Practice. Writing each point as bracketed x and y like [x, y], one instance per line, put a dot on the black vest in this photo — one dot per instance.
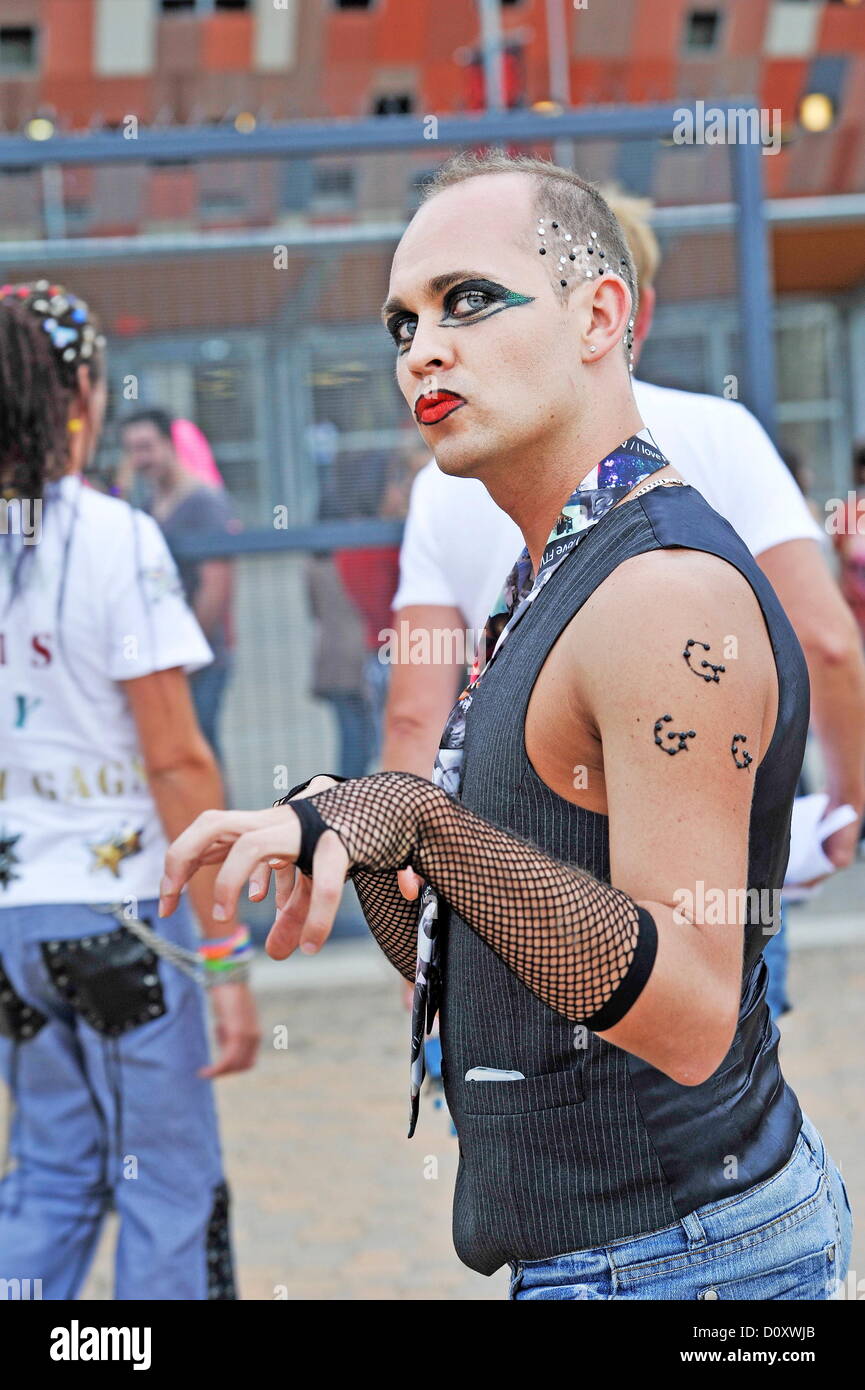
[597, 1145]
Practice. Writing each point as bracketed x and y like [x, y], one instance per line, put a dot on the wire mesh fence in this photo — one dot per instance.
[243, 295]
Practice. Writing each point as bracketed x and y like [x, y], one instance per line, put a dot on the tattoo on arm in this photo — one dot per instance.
[746, 756]
[682, 736]
[701, 675]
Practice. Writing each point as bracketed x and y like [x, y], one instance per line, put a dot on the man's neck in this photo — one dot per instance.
[172, 488]
[533, 494]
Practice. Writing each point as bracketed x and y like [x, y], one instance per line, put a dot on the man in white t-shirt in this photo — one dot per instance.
[459, 546]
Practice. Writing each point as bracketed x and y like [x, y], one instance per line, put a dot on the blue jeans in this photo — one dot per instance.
[102, 1120]
[788, 1237]
[356, 731]
[208, 691]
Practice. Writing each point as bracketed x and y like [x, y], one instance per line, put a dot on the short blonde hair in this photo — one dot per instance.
[632, 214]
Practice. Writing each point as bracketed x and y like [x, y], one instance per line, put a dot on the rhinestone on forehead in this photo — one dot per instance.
[573, 252]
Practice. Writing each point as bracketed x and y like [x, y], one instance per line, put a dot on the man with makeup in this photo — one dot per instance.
[634, 726]
[458, 546]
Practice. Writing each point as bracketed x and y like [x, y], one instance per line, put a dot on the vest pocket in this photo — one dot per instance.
[545, 1092]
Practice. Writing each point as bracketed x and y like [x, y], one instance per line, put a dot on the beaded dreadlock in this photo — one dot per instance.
[46, 334]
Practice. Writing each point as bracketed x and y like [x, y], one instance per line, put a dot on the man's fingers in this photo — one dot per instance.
[206, 840]
[238, 1054]
[286, 879]
[329, 864]
[259, 883]
[409, 883]
[249, 854]
[284, 935]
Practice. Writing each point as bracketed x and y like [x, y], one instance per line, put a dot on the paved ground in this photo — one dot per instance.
[333, 1202]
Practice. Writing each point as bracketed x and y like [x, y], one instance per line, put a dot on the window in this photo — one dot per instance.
[398, 104]
[18, 49]
[221, 203]
[353, 4]
[333, 188]
[204, 6]
[701, 31]
[78, 214]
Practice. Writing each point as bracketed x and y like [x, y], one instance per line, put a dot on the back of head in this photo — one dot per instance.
[46, 336]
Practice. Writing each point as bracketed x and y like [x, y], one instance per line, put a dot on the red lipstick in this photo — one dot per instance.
[436, 406]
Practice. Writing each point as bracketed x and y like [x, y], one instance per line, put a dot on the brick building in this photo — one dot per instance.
[190, 327]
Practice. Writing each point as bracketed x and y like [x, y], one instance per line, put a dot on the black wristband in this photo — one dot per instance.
[302, 786]
[312, 827]
[634, 980]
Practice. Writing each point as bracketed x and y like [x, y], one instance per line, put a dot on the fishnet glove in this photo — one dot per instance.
[391, 918]
[583, 947]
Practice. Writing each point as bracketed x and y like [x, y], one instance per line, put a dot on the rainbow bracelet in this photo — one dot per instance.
[227, 959]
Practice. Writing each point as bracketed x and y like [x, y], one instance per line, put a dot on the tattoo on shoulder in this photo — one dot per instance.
[746, 756]
[682, 735]
[707, 665]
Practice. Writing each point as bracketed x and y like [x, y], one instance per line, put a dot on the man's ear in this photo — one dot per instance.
[609, 310]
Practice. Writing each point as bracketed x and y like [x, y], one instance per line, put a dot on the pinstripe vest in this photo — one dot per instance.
[597, 1145]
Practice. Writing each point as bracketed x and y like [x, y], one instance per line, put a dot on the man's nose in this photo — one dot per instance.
[431, 347]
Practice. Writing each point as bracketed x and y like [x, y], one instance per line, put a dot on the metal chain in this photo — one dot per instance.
[188, 962]
[658, 482]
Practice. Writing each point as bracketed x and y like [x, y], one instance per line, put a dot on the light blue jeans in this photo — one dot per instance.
[102, 1121]
[788, 1237]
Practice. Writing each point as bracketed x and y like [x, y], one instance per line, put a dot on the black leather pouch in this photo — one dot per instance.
[19, 1020]
[111, 979]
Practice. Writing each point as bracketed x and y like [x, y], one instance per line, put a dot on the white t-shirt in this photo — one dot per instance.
[458, 546]
[77, 823]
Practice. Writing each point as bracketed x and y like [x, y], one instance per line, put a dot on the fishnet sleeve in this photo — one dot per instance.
[391, 918]
[583, 947]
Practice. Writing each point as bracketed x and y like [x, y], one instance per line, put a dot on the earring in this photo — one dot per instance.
[593, 348]
[75, 426]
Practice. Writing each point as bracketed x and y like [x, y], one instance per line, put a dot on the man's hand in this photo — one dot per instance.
[237, 1030]
[410, 883]
[841, 847]
[251, 845]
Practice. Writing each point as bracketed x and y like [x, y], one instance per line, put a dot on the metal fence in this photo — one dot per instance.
[239, 279]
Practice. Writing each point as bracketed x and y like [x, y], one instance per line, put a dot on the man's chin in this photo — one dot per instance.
[459, 459]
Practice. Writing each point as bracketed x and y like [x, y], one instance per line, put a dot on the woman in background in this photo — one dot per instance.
[102, 1042]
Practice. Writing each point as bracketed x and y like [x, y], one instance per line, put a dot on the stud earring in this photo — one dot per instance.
[593, 348]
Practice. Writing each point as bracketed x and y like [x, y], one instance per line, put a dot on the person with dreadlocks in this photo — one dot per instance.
[102, 1042]
[631, 739]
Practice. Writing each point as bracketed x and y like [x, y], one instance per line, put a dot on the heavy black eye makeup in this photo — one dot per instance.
[466, 303]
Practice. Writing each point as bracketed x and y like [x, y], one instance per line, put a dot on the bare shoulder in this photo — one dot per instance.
[651, 590]
[663, 605]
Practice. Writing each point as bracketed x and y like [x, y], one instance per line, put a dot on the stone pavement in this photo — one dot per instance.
[332, 1201]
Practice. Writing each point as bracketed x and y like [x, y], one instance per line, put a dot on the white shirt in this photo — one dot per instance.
[77, 822]
[458, 546]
